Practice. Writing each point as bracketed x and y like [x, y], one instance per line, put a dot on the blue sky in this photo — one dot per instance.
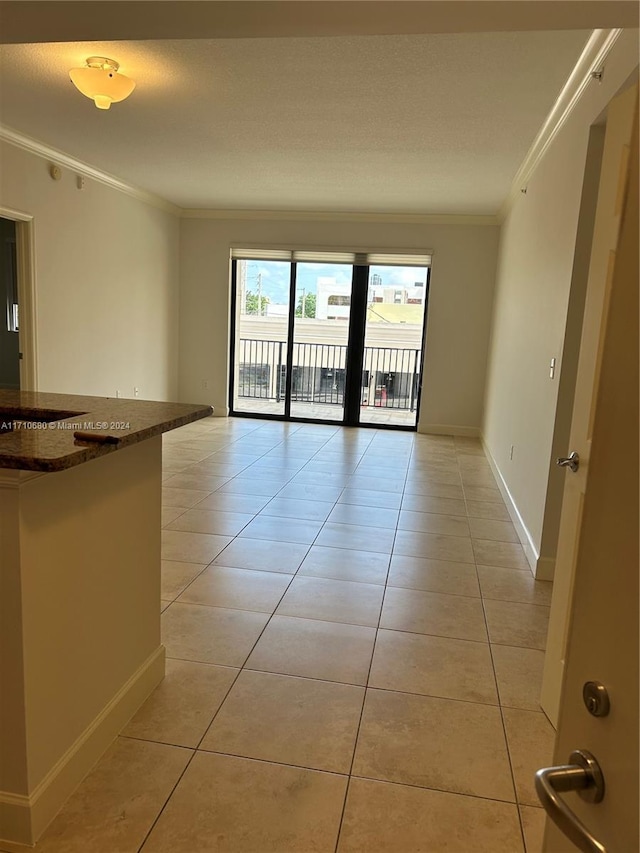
[275, 277]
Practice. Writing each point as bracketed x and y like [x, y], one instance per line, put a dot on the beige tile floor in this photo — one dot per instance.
[326, 411]
[355, 648]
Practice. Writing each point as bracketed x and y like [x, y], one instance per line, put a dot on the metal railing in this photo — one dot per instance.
[390, 375]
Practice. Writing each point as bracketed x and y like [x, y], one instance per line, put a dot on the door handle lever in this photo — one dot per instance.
[572, 461]
[583, 775]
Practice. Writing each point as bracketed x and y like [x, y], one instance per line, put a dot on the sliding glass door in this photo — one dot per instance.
[320, 340]
[261, 289]
[394, 332]
[334, 337]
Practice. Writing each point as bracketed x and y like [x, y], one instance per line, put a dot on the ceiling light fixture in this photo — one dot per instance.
[101, 82]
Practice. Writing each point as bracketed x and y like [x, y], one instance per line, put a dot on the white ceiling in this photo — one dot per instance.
[384, 106]
[424, 123]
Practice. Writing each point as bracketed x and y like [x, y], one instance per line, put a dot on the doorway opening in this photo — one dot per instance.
[333, 337]
[9, 322]
[18, 327]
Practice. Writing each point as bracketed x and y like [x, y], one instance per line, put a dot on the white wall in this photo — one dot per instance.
[106, 282]
[540, 273]
[460, 302]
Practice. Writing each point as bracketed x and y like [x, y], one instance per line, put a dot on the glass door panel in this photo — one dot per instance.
[261, 335]
[396, 303]
[329, 340]
[320, 340]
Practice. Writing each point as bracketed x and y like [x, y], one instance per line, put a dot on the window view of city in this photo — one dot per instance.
[391, 360]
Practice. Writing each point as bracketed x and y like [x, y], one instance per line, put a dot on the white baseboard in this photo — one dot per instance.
[541, 567]
[526, 540]
[448, 429]
[545, 568]
[23, 818]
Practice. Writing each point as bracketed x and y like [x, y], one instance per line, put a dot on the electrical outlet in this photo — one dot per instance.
[136, 392]
[117, 394]
[511, 452]
[205, 384]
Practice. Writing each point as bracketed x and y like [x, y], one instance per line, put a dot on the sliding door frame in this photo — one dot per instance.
[355, 345]
[288, 383]
[355, 353]
[423, 347]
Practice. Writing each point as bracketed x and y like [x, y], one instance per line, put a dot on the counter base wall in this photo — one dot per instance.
[79, 623]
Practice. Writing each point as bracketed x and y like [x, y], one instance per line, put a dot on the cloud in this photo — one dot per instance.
[276, 276]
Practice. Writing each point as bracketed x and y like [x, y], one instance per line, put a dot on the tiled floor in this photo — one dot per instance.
[354, 645]
[374, 415]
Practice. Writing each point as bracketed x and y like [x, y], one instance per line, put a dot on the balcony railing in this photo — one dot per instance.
[390, 375]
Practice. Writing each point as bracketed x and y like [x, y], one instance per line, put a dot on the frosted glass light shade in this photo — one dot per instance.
[101, 82]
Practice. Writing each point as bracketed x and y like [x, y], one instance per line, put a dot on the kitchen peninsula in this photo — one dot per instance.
[80, 486]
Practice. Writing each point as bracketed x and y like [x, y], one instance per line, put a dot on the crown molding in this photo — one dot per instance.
[346, 216]
[593, 56]
[591, 60]
[40, 149]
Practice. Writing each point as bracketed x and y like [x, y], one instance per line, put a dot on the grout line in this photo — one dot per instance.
[273, 761]
[497, 689]
[308, 467]
[240, 670]
[166, 802]
[334, 772]
[207, 729]
[504, 728]
[268, 622]
[373, 651]
[377, 689]
[162, 507]
[495, 678]
[443, 791]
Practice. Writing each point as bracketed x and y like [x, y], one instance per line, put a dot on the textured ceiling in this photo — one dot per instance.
[434, 123]
[69, 20]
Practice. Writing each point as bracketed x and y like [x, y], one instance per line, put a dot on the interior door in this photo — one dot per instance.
[593, 636]
[613, 180]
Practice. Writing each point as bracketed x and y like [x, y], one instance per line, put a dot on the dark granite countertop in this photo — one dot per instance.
[37, 429]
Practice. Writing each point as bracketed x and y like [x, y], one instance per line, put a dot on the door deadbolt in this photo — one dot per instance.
[596, 698]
